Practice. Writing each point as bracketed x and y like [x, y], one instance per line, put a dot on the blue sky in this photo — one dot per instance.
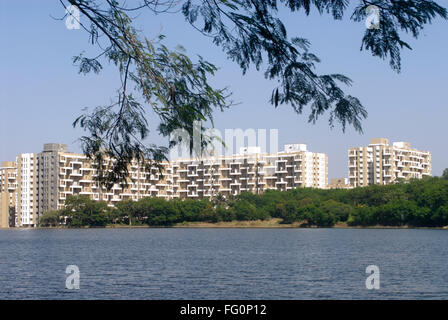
[41, 92]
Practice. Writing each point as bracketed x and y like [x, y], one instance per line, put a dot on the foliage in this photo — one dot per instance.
[177, 90]
[445, 174]
[81, 211]
[419, 203]
[50, 219]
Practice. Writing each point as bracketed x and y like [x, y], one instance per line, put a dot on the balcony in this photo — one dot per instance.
[86, 193]
[193, 195]
[76, 173]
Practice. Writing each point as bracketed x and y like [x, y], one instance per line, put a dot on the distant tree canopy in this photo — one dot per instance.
[177, 88]
[445, 174]
[418, 203]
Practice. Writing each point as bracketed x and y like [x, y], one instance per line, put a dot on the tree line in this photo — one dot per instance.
[417, 203]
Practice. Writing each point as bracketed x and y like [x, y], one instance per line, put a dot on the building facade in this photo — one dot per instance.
[249, 171]
[381, 163]
[26, 199]
[48, 178]
[8, 193]
[339, 183]
[37, 183]
[77, 173]
[197, 178]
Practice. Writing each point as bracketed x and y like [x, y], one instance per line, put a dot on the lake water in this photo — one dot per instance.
[224, 263]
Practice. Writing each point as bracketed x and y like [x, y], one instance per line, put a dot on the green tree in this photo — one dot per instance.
[177, 87]
[209, 214]
[396, 213]
[315, 216]
[362, 216]
[288, 211]
[162, 212]
[82, 211]
[191, 209]
[125, 211]
[219, 200]
[445, 174]
[225, 214]
[338, 210]
[50, 219]
[440, 218]
[244, 210]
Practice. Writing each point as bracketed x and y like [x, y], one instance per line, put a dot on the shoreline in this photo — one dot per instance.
[273, 223]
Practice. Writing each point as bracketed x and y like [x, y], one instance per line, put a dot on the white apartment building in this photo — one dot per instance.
[26, 201]
[77, 173]
[380, 163]
[42, 182]
[251, 171]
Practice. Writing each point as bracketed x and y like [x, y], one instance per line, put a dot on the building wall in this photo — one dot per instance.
[42, 182]
[381, 163]
[26, 204]
[48, 168]
[4, 210]
[77, 176]
[339, 183]
[191, 178]
[251, 172]
[8, 190]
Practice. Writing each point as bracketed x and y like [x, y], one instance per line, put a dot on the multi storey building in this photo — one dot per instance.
[380, 163]
[26, 202]
[8, 191]
[37, 183]
[196, 178]
[76, 176]
[339, 183]
[48, 178]
[250, 171]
